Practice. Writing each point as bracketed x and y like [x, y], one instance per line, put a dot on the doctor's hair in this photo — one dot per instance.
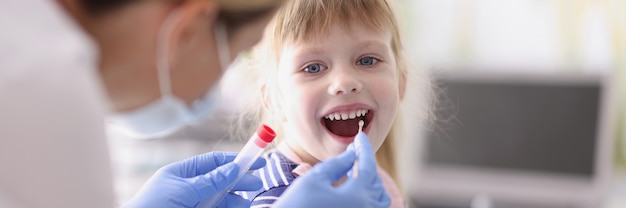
[305, 20]
[96, 7]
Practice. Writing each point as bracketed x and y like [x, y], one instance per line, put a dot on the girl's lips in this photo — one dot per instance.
[340, 139]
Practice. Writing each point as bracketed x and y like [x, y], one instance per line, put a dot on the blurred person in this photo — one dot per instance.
[63, 62]
[160, 60]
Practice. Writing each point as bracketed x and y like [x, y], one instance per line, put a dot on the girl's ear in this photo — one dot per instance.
[271, 105]
[192, 16]
[265, 99]
[402, 79]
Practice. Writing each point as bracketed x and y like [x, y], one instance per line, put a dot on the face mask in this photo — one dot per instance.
[169, 113]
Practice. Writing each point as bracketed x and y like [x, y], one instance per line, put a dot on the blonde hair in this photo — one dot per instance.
[301, 20]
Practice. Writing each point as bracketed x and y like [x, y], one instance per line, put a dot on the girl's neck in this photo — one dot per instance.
[296, 154]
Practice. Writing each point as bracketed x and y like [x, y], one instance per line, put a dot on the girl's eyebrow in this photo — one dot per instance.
[308, 53]
[312, 52]
[373, 44]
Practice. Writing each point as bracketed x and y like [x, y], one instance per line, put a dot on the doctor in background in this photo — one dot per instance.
[66, 66]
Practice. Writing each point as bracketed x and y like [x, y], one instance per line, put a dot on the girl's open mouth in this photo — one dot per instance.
[346, 123]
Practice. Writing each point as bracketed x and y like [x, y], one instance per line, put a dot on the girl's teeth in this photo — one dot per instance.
[347, 115]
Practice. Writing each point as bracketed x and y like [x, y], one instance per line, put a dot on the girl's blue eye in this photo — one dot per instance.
[367, 61]
[314, 68]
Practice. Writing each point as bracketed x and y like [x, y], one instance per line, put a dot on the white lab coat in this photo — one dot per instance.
[53, 147]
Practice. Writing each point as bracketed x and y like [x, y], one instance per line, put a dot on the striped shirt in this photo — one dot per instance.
[276, 177]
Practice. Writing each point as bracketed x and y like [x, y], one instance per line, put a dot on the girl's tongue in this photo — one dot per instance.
[344, 128]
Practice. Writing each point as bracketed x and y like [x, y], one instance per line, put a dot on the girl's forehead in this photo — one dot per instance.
[308, 17]
[352, 28]
[350, 32]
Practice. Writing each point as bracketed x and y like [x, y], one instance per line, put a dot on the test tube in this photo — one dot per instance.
[245, 158]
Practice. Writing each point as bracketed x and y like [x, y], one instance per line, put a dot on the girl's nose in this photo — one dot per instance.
[344, 81]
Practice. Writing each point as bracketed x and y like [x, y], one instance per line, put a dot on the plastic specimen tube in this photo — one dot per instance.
[245, 158]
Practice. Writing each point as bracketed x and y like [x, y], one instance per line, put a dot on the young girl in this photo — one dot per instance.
[323, 66]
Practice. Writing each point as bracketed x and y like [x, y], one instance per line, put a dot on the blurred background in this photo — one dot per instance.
[566, 148]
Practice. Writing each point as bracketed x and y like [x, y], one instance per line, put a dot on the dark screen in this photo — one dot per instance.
[516, 126]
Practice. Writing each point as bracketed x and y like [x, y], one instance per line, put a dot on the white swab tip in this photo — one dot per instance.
[361, 123]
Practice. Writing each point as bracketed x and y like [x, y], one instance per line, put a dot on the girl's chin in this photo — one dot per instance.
[337, 149]
[343, 140]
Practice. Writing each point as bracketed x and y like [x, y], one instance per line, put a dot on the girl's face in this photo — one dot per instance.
[329, 83]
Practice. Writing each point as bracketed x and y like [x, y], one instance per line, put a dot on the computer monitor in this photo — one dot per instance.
[516, 140]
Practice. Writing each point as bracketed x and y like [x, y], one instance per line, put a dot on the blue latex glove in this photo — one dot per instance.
[186, 183]
[315, 188]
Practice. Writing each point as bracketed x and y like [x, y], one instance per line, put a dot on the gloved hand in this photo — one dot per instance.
[186, 183]
[315, 188]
